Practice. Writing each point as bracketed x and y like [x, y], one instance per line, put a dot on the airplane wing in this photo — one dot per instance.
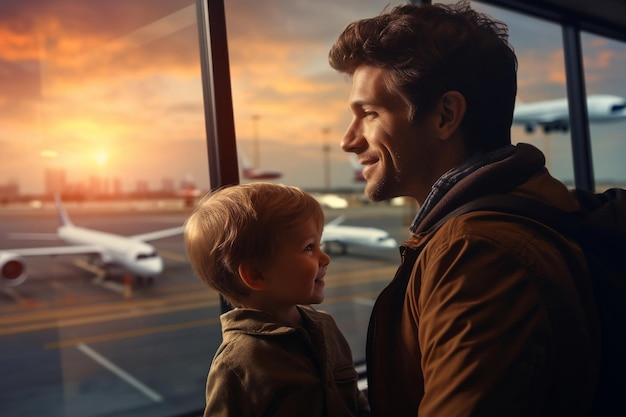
[33, 236]
[57, 250]
[159, 234]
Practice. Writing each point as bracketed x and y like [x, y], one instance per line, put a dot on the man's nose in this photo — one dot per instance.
[353, 139]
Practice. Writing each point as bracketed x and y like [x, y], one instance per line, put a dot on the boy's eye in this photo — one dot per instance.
[309, 247]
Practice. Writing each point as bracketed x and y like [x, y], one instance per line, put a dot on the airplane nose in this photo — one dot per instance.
[151, 267]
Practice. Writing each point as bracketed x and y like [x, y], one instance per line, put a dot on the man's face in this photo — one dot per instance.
[397, 154]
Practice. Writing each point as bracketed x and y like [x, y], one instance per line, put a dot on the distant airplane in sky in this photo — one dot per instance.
[346, 236]
[553, 115]
[130, 252]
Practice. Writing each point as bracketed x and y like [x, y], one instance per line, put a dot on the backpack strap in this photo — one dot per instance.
[564, 222]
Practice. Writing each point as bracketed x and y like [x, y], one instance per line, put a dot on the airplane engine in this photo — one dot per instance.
[12, 269]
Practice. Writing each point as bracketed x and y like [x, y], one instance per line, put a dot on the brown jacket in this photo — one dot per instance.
[491, 315]
[271, 369]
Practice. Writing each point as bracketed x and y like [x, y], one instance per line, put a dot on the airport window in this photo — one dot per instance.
[541, 82]
[101, 104]
[605, 83]
[290, 112]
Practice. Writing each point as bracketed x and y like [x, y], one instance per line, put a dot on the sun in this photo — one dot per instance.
[101, 158]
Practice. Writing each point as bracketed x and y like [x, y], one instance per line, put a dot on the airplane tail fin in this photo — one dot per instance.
[64, 219]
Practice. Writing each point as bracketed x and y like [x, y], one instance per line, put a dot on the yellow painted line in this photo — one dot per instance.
[132, 313]
[172, 255]
[174, 327]
[131, 333]
[104, 312]
[42, 319]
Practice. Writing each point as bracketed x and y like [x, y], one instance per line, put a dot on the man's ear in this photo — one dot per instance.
[452, 107]
[252, 276]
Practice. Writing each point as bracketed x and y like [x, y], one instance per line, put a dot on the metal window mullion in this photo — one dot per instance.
[218, 101]
[216, 87]
[578, 117]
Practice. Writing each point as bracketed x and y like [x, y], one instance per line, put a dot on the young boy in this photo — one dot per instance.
[258, 244]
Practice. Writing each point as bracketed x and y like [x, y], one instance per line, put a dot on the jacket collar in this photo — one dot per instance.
[483, 174]
[258, 322]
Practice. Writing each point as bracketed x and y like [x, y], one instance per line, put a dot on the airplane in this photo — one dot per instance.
[331, 201]
[553, 115]
[130, 252]
[190, 192]
[251, 173]
[345, 236]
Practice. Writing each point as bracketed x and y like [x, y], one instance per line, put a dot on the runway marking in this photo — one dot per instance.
[92, 314]
[172, 327]
[131, 333]
[119, 372]
[173, 255]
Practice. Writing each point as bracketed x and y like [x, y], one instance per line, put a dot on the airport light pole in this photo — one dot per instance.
[326, 151]
[255, 137]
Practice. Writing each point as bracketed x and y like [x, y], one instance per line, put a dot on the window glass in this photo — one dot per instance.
[604, 60]
[101, 102]
[541, 105]
[291, 110]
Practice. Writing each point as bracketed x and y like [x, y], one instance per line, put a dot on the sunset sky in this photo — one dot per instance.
[113, 89]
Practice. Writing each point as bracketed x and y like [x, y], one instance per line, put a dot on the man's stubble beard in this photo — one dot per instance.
[383, 188]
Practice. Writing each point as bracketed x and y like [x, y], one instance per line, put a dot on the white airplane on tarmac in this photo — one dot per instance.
[345, 236]
[140, 258]
[553, 115]
[130, 252]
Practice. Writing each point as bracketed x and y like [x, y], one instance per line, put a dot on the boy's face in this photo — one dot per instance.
[296, 274]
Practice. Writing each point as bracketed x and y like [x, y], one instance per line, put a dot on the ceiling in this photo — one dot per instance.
[603, 17]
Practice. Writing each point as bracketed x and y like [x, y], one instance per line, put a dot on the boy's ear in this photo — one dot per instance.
[452, 107]
[252, 276]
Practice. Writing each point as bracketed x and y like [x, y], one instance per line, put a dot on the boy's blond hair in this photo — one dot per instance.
[243, 223]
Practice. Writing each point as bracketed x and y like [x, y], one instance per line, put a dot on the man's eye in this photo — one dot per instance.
[369, 114]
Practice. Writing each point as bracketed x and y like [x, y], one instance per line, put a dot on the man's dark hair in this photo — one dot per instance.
[431, 49]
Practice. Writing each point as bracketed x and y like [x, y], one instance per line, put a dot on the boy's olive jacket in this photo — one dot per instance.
[267, 368]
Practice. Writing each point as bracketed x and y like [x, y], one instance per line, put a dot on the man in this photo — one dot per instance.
[491, 314]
